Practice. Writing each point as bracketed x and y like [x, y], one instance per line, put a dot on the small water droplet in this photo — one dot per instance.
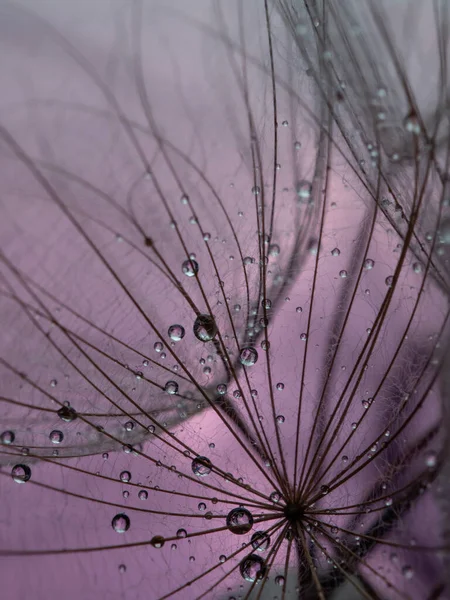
[125, 476]
[143, 495]
[157, 541]
[67, 414]
[260, 541]
[369, 264]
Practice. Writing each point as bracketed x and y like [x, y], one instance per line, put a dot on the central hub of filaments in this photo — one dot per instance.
[294, 512]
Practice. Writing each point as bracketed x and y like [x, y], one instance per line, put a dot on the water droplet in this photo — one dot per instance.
[280, 419]
[303, 337]
[125, 476]
[53, 383]
[335, 252]
[122, 568]
[297, 145]
[21, 473]
[205, 328]
[279, 580]
[121, 523]
[280, 386]
[171, 387]
[260, 541]
[143, 495]
[343, 274]
[417, 267]
[412, 124]
[222, 558]
[408, 572]
[176, 333]
[256, 191]
[201, 506]
[252, 568]
[389, 281]
[239, 521]
[8, 437]
[67, 413]
[56, 436]
[201, 466]
[275, 497]
[181, 533]
[369, 264]
[157, 541]
[431, 459]
[190, 267]
[221, 389]
[304, 189]
[248, 356]
[274, 250]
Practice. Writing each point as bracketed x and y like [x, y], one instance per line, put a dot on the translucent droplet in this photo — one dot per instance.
[408, 572]
[129, 426]
[157, 541]
[239, 521]
[157, 347]
[260, 541]
[67, 413]
[53, 383]
[280, 419]
[201, 506]
[431, 459]
[21, 473]
[252, 568]
[274, 250]
[299, 309]
[221, 389]
[121, 523]
[248, 356]
[389, 281]
[171, 387]
[303, 337]
[297, 145]
[275, 497]
[143, 495]
[176, 332]
[125, 476]
[181, 533]
[280, 386]
[256, 190]
[56, 436]
[7, 437]
[335, 252]
[201, 466]
[205, 328]
[190, 267]
[304, 189]
[369, 264]
[343, 274]
[279, 580]
[444, 231]
[412, 124]
[222, 558]
[417, 267]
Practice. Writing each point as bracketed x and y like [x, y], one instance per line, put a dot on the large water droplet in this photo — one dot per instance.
[121, 523]
[21, 473]
[205, 328]
[248, 356]
[201, 466]
[239, 521]
[125, 476]
[252, 568]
